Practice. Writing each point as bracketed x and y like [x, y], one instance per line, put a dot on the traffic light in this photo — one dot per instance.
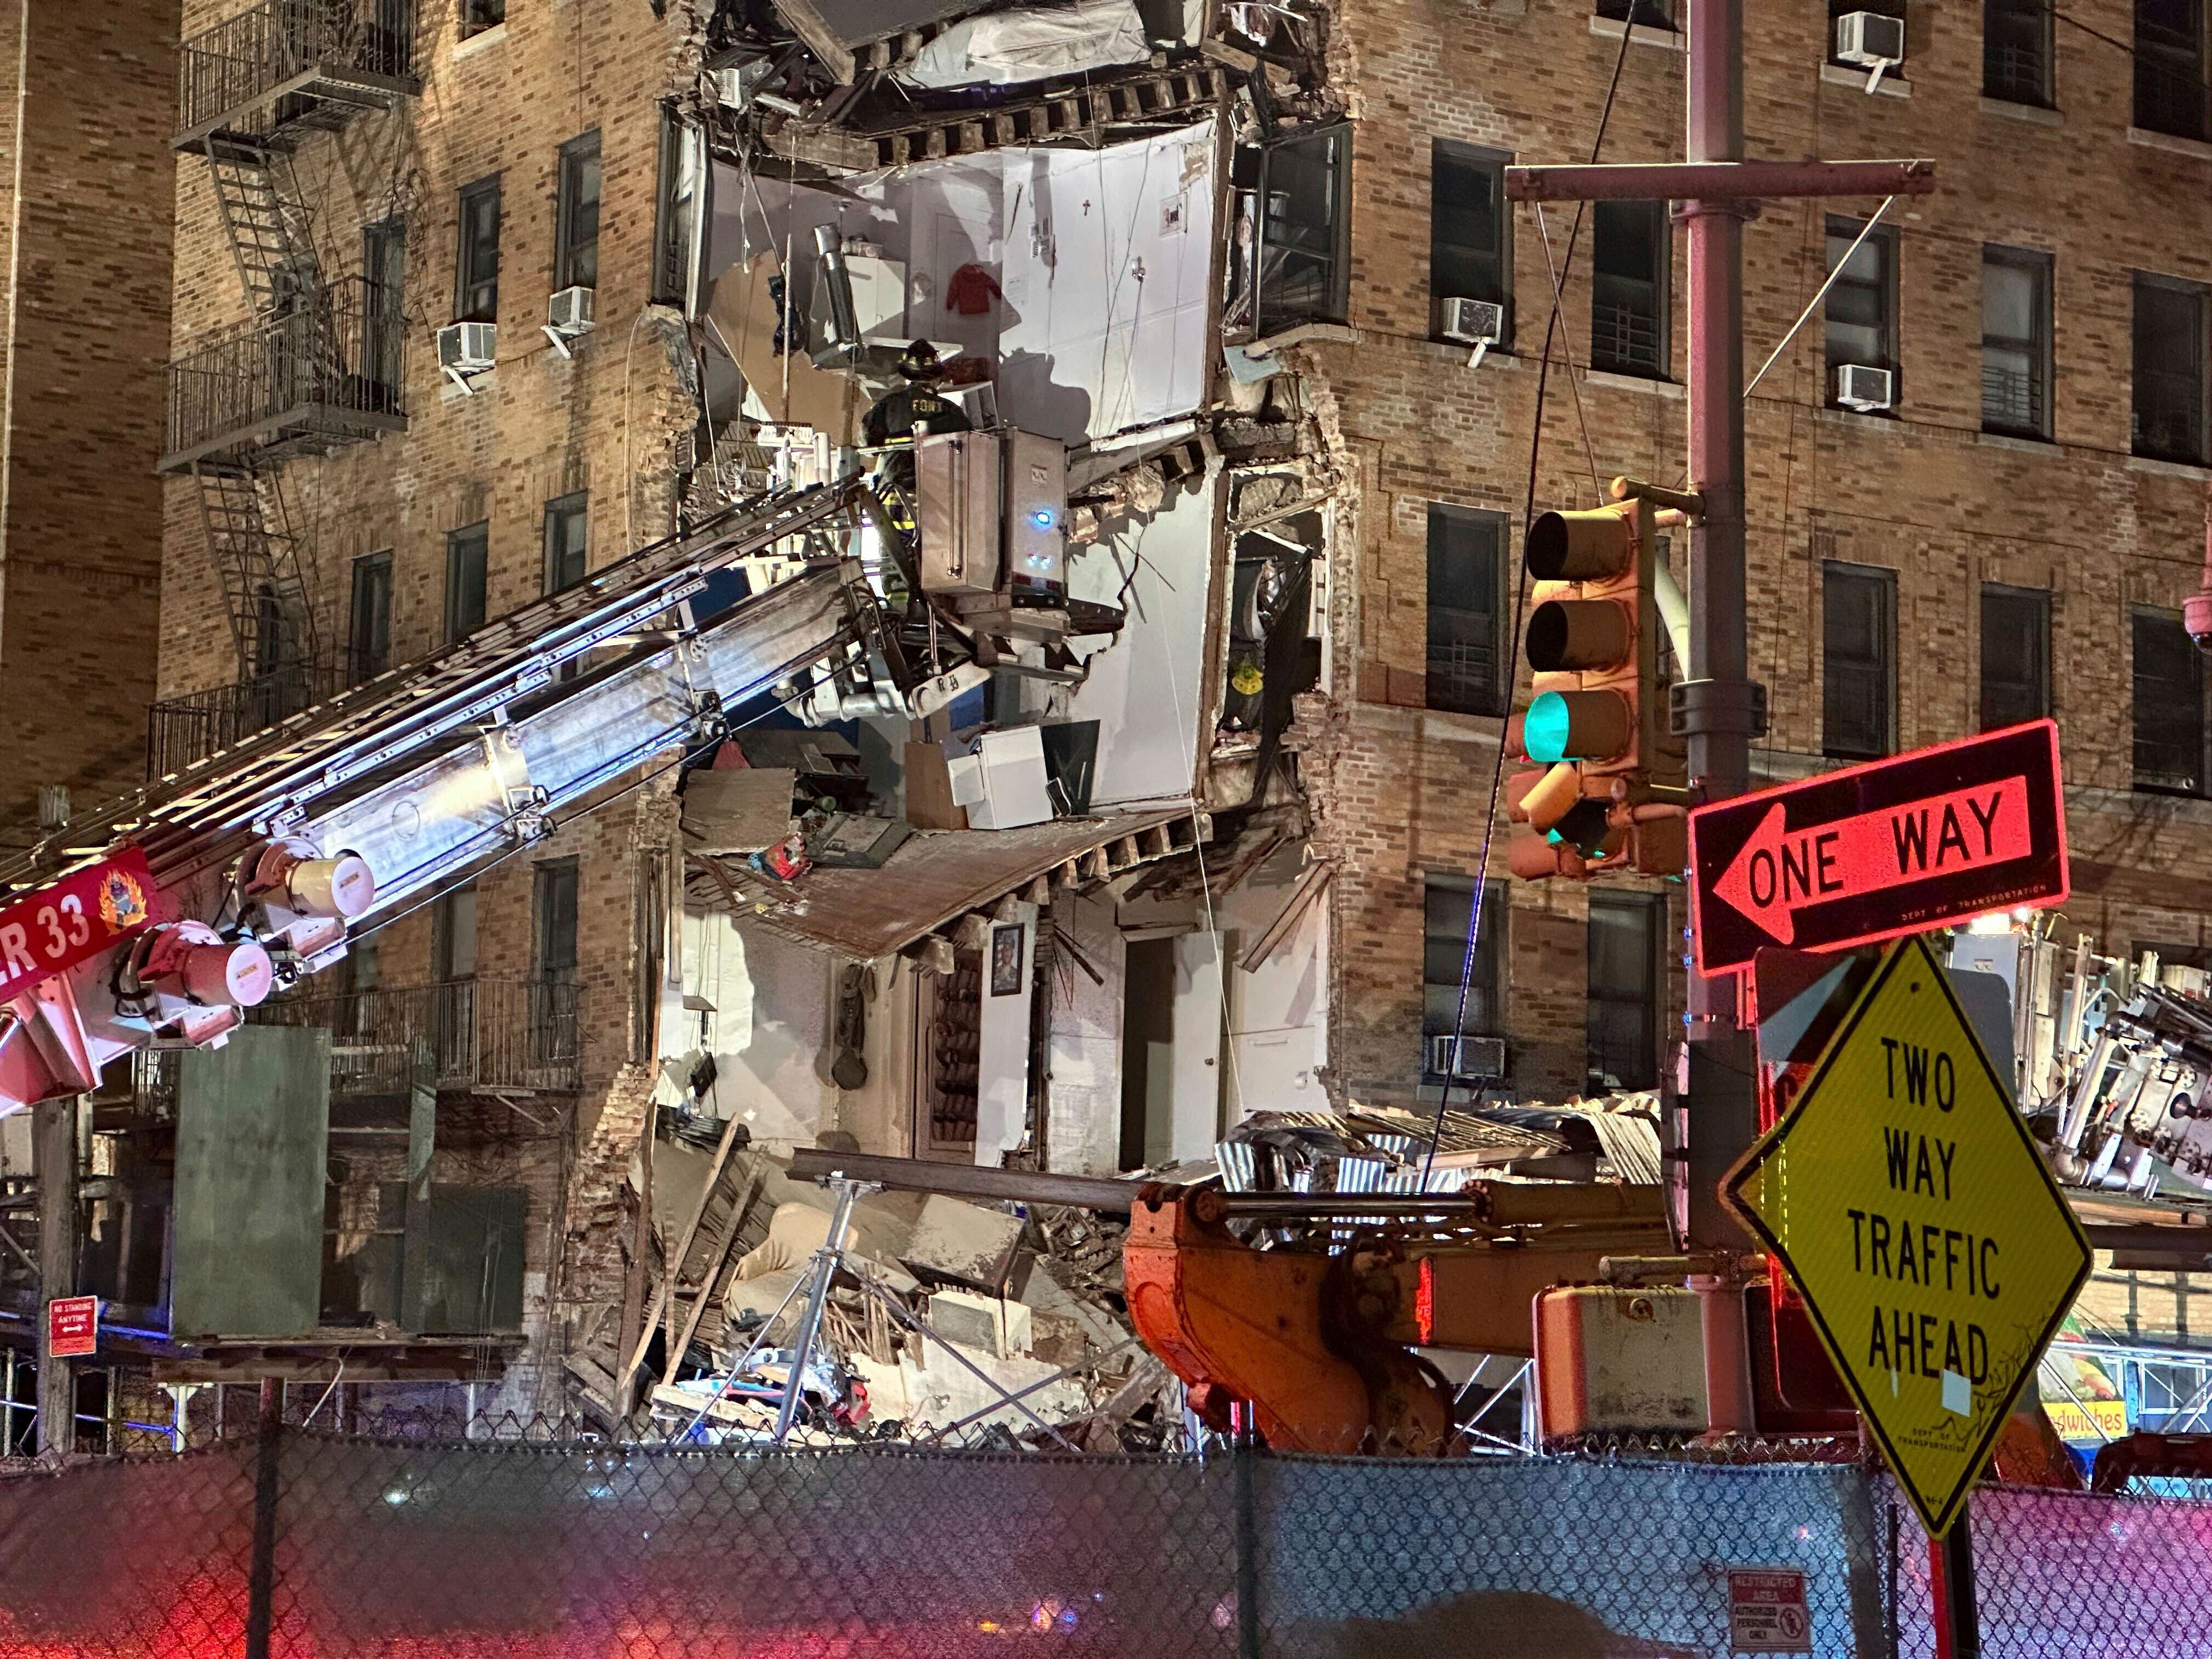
[1610, 794]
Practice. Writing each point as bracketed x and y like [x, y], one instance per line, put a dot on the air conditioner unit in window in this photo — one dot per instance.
[1475, 322]
[1468, 1059]
[1870, 41]
[1861, 388]
[569, 315]
[466, 349]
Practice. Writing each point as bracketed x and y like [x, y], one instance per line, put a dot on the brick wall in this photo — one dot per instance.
[86, 104]
[1924, 494]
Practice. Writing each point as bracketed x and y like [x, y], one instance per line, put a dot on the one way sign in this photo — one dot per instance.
[1879, 850]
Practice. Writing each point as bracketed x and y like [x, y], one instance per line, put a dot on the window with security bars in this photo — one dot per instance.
[1858, 649]
[2016, 54]
[2169, 65]
[1861, 312]
[1630, 252]
[1466, 606]
[1447, 904]
[2170, 354]
[1622, 1023]
[2015, 342]
[1470, 228]
[2015, 655]
[2169, 706]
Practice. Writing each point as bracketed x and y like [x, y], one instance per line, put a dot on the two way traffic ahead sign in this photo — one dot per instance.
[1874, 851]
[1909, 1207]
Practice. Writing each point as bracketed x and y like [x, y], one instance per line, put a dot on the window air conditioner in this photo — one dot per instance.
[1479, 1060]
[1870, 41]
[1475, 322]
[466, 348]
[570, 312]
[1861, 388]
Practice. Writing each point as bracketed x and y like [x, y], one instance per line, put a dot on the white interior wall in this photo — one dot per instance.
[1083, 1132]
[1003, 1052]
[1277, 1014]
[1195, 1064]
[1146, 691]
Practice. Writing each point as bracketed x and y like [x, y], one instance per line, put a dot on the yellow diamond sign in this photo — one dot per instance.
[1910, 1209]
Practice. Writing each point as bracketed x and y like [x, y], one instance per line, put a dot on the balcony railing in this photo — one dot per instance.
[328, 370]
[182, 730]
[479, 1034]
[288, 62]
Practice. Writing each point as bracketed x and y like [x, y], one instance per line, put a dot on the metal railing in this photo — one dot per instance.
[249, 59]
[1625, 338]
[331, 367]
[2012, 399]
[185, 729]
[479, 1034]
[2019, 75]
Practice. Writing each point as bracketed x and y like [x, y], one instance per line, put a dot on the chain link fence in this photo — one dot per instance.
[303, 1542]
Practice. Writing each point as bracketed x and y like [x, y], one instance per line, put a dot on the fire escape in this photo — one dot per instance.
[318, 362]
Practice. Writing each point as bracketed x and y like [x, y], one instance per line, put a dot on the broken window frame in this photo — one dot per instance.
[1630, 309]
[468, 562]
[369, 625]
[1483, 695]
[1268, 164]
[1466, 270]
[1870, 672]
[2018, 56]
[2015, 683]
[476, 260]
[2005, 414]
[2167, 679]
[1620, 1023]
[1446, 902]
[2171, 360]
[576, 216]
[680, 208]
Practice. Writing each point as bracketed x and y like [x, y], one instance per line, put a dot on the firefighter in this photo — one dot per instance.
[909, 410]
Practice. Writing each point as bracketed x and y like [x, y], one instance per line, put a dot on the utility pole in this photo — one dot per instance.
[53, 1160]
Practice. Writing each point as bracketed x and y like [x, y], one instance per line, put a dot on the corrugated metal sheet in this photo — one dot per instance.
[934, 879]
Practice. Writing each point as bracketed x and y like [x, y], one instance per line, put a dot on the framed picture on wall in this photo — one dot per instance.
[1007, 960]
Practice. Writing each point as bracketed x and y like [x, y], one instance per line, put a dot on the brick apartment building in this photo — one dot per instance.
[85, 218]
[2012, 535]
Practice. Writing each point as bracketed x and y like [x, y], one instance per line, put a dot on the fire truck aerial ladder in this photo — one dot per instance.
[160, 918]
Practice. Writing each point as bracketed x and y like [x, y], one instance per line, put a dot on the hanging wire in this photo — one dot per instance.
[1520, 601]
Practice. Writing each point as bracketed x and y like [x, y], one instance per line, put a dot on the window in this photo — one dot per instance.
[1858, 612]
[477, 15]
[553, 911]
[1447, 901]
[2016, 52]
[2015, 655]
[1862, 307]
[1470, 228]
[2169, 369]
[565, 518]
[674, 214]
[2170, 68]
[1622, 1025]
[1630, 251]
[1467, 592]
[1839, 8]
[576, 245]
[2015, 342]
[476, 295]
[466, 552]
[1644, 14]
[1302, 258]
[384, 318]
[2169, 706]
[369, 636]
[453, 934]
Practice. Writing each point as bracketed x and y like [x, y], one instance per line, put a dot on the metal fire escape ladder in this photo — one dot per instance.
[271, 237]
[256, 560]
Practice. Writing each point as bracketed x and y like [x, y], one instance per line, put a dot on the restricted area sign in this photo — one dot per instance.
[1872, 852]
[73, 1326]
[1910, 1209]
[1767, 1612]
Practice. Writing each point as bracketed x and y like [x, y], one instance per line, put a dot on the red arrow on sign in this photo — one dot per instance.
[1779, 870]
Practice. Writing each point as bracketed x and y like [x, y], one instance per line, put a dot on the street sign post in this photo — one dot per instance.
[1875, 851]
[1903, 1197]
